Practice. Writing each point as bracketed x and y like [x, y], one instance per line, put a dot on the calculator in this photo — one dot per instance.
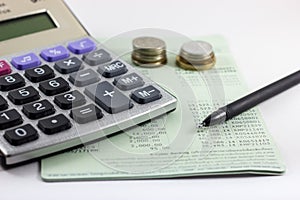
[60, 88]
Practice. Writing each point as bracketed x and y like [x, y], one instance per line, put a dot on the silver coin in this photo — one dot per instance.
[196, 55]
[148, 58]
[148, 44]
[196, 49]
[149, 52]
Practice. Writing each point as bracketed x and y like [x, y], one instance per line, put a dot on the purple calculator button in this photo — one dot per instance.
[55, 53]
[25, 61]
[82, 46]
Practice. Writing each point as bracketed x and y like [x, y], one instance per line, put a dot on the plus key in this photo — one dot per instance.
[108, 97]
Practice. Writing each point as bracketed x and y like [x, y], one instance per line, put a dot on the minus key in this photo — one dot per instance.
[84, 77]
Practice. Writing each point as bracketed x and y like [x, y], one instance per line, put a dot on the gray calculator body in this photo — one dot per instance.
[64, 29]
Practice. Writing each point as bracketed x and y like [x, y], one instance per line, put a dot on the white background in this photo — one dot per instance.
[264, 37]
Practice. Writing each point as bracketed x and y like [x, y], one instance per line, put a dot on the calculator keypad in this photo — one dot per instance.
[86, 114]
[55, 53]
[24, 95]
[97, 57]
[38, 109]
[4, 68]
[129, 81]
[68, 65]
[113, 69]
[146, 95]
[26, 61]
[54, 86]
[10, 119]
[82, 46]
[3, 104]
[70, 100]
[66, 86]
[54, 124]
[84, 77]
[108, 97]
[11, 82]
[39, 74]
[21, 135]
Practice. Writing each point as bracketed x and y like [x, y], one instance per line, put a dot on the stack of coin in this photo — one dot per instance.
[149, 52]
[196, 55]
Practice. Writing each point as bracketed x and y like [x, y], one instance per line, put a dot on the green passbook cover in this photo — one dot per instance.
[173, 145]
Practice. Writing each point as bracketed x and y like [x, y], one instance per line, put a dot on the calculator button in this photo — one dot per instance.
[21, 135]
[54, 86]
[86, 114]
[84, 77]
[96, 57]
[55, 53]
[68, 66]
[26, 61]
[82, 46]
[38, 109]
[24, 95]
[4, 68]
[54, 124]
[3, 104]
[69, 100]
[39, 74]
[108, 97]
[11, 82]
[9, 119]
[146, 95]
[113, 69]
[129, 81]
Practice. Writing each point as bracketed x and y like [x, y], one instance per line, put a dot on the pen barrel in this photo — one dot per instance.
[251, 100]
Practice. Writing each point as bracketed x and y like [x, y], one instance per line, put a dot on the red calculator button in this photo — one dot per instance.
[4, 68]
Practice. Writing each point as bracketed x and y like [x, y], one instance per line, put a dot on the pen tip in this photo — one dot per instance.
[203, 124]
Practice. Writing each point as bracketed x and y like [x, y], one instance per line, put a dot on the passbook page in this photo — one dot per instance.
[174, 145]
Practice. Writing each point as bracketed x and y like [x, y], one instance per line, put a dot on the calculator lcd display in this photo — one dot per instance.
[26, 25]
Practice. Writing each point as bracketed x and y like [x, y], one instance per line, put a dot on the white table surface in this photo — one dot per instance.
[264, 37]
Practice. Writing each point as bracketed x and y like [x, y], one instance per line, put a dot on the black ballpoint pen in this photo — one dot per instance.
[239, 106]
